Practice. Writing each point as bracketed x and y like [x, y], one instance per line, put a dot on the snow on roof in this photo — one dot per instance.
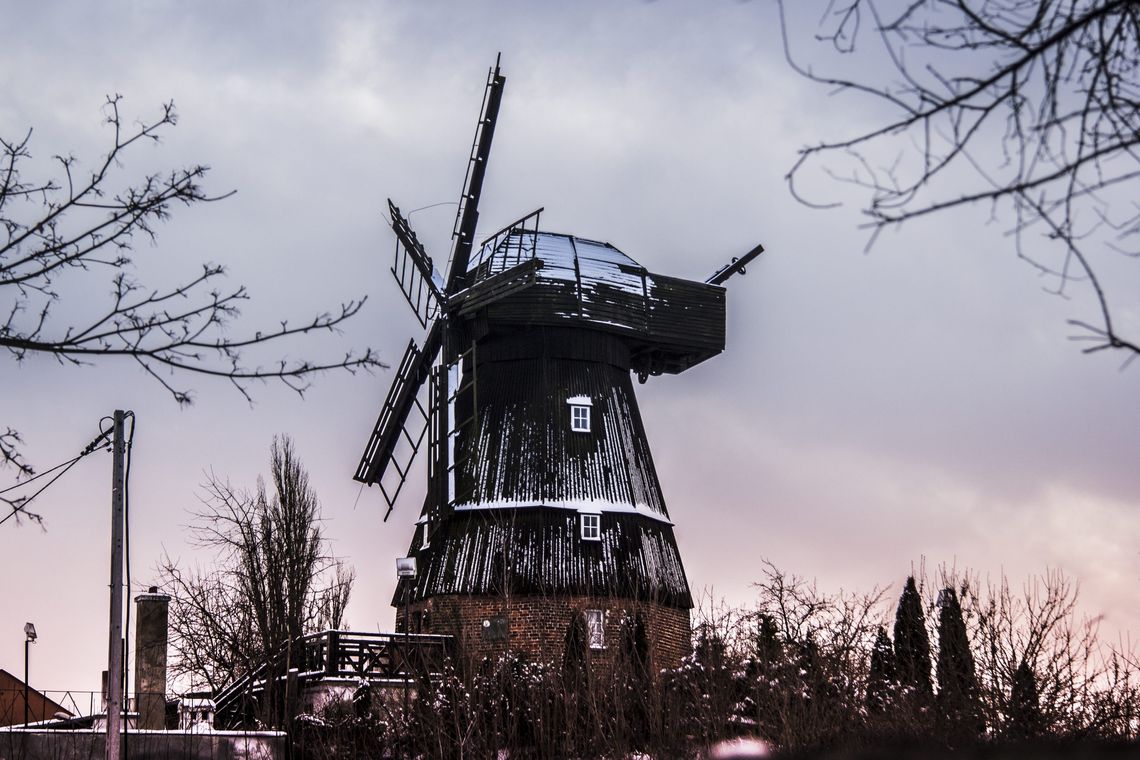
[582, 506]
[196, 703]
[564, 257]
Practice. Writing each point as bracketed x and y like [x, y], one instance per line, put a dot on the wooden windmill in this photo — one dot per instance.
[542, 500]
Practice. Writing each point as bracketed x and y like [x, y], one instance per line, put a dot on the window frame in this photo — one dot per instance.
[595, 629]
[580, 421]
[590, 526]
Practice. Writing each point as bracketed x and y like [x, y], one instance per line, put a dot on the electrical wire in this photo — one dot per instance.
[18, 508]
[23, 483]
[20, 505]
[432, 205]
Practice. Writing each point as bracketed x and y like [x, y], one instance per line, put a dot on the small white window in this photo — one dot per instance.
[591, 527]
[426, 535]
[596, 628]
[580, 419]
[580, 413]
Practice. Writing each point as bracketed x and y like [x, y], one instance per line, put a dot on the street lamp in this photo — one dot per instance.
[29, 637]
[406, 573]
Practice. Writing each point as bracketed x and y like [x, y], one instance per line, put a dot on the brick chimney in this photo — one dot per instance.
[150, 658]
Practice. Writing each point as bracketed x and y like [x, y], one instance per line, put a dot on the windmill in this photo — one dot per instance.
[542, 501]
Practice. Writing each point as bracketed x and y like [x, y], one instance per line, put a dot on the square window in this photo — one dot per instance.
[591, 527]
[495, 628]
[596, 628]
[579, 418]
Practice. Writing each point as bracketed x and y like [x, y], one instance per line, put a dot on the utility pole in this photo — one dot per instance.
[115, 646]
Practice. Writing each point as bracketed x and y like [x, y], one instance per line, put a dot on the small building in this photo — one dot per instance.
[196, 711]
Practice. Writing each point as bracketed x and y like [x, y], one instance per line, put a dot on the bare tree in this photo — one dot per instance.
[1083, 687]
[59, 232]
[274, 578]
[1031, 107]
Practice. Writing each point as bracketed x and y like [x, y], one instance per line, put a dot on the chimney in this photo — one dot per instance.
[150, 658]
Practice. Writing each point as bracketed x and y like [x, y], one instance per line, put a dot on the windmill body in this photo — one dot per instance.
[543, 502]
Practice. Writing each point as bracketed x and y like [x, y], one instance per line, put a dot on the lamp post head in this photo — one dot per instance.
[30, 631]
[405, 567]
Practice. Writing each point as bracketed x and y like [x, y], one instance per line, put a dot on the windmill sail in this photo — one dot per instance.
[467, 217]
[414, 271]
[392, 425]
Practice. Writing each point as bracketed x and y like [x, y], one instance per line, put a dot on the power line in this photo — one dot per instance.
[23, 503]
[38, 476]
[20, 504]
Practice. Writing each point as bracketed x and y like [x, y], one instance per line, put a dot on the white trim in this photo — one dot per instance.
[588, 506]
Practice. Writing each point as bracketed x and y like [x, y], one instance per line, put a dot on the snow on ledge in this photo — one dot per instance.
[581, 506]
[580, 401]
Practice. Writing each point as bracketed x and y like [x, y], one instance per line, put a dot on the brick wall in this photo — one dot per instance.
[536, 626]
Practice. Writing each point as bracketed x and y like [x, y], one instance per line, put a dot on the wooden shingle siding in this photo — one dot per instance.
[525, 476]
[522, 449]
[538, 551]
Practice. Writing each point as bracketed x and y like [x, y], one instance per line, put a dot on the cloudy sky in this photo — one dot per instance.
[870, 411]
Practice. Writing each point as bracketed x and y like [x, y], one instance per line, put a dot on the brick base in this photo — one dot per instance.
[536, 626]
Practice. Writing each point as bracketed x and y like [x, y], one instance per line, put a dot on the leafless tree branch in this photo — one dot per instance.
[80, 221]
[1029, 106]
[273, 579]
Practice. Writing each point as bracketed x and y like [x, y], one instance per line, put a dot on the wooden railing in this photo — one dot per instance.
[337, 654]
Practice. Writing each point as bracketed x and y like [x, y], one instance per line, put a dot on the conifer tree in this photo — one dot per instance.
[957, 680]
[575, 656]
[576, 678]
[1025, 720]
[768, 649]
[883, 677]
[912, 644]
[637, 675]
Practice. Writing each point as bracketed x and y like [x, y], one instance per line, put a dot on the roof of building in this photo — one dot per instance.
[40, 706]
[536, 277]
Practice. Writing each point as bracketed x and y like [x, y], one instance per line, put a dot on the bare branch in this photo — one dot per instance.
[77, 223]
[1028, 106]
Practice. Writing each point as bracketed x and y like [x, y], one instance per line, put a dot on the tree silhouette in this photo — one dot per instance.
[882, 679]
[912, 644]
[958, 710]
[636, 677]
[1025, 719]
[1028, 107]
[273, 580]
[575, 675]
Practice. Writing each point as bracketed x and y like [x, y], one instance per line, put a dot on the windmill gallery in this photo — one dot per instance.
[543, 509]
